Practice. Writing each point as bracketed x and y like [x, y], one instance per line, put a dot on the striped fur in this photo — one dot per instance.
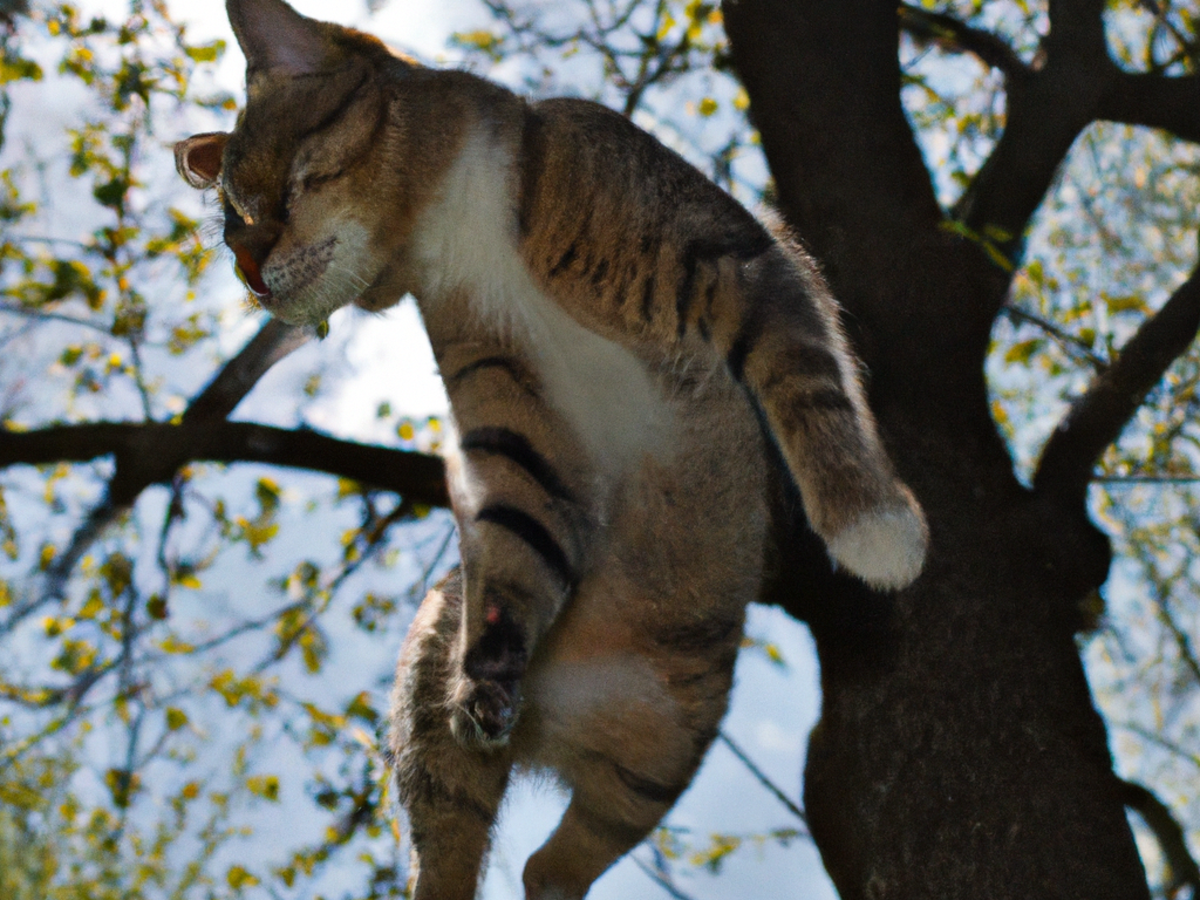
[614, 333]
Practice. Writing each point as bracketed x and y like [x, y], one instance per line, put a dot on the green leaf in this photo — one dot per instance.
[176, 718]
[111, 193]
[1023, 351]
[122, 785]
[15, 68]
[156, 607]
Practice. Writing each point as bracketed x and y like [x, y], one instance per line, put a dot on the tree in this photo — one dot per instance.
[959, 750]
[1027, 330]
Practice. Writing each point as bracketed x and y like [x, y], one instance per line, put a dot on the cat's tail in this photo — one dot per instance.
[792, 356]
[885, 547]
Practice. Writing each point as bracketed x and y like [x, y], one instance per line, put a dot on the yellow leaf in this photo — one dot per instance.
[480, 39]
[172, 644]
[54, 627]
[239, 878]
[667, 24]
[92, 607]
[19, 795]
[265, 786]
[1128, 303]
[363, 738]
[187, 580]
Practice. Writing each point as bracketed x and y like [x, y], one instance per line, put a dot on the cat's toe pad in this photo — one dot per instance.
[485, 714]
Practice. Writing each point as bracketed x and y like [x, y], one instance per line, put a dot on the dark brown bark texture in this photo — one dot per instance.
[959, 753]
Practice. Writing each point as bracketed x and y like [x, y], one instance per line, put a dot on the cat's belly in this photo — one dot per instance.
[617, 409]
[659, 615]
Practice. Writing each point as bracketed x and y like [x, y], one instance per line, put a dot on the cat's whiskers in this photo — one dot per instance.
[342, 286]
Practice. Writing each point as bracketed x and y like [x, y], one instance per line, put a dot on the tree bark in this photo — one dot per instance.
[958, 753]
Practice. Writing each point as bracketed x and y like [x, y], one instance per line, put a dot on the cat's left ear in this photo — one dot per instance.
[272, 35]
[198, 158]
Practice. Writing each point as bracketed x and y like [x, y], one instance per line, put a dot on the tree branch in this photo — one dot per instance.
[956, 36]
[1050, 104]
[236, 379]
[148, 453]
[1097, 418]
[1081, 23]
[222, 395]
[824, 86]
[1185, 873]
[1155, 101]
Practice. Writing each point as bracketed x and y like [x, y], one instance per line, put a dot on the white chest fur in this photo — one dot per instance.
[467, 241]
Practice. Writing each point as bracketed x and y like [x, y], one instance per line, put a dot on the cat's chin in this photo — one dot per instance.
[301, 312]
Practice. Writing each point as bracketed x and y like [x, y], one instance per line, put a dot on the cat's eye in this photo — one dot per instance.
[316, 179]
[237, 208]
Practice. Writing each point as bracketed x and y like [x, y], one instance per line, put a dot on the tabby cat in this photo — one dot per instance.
[619, 340]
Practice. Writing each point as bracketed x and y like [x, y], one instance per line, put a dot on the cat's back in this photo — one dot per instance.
[591, 176]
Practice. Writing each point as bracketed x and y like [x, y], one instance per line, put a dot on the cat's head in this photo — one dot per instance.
[306, 177]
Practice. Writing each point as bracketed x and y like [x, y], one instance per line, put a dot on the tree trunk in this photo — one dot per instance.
[958, 752]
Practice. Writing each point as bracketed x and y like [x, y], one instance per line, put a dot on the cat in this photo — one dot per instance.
[626, 350]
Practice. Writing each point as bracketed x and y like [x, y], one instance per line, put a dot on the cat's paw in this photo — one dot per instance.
[884, 547]
[487, 694]
[484, 713]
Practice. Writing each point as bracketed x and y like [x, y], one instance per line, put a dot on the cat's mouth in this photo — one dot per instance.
[293, 274]
[251, 274]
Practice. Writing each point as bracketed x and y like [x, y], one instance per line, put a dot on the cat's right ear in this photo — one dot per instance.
[272, 35]
[198, 158]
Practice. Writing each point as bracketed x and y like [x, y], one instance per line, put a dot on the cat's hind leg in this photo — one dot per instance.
[450, 792]
[626, 762]
[594, 833]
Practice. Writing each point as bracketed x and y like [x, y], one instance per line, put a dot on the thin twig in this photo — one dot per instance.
[658, 878]
[762, 777]
[1067, 341]
[1147, 479]
[1097, 418]
[1155, 738]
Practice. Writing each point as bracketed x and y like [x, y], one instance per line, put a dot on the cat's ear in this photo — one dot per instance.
[272, 35]
[198, 158]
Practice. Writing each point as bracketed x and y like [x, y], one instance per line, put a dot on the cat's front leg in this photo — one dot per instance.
[520, 489]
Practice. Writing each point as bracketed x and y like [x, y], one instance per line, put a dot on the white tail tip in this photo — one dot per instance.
[886, 549]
